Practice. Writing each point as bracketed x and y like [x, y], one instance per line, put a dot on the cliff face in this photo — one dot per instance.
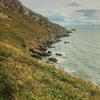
[29, 27]
[53, 29]
[12, 4]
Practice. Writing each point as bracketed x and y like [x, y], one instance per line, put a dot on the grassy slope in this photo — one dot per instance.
[25, 78]
[21, 29]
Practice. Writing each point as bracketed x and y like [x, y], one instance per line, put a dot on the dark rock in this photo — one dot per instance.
[46, 54]
[50, 46]
[49, 52]
[43, 48]
[40, 53]
[53, 60]
[66, 35]
[58, 54]
[69, 32]
[67, 42]
[57, 40]
[49, 43]
[36, 56]
[73, 29]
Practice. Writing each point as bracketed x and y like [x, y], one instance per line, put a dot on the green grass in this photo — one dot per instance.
[26, 78]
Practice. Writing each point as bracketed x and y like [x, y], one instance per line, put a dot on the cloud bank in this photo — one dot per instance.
[67, 12]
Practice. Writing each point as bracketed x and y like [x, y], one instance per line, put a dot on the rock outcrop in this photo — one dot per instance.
[15, 5]
[53, 60]
[54, 30]
[40, 53]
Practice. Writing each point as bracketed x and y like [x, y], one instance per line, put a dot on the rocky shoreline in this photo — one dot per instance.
[42, 50]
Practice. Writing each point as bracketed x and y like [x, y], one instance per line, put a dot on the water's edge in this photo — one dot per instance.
[78, 57]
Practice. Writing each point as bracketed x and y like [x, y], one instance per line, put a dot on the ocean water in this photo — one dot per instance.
[81, 56]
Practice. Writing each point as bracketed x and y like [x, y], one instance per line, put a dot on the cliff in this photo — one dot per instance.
[54, 30]
[25, 77]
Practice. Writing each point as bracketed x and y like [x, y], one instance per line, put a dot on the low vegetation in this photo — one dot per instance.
[23, 77]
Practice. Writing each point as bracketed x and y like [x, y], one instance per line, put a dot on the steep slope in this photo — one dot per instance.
[23, 77]
[22, 20]
[53, 29]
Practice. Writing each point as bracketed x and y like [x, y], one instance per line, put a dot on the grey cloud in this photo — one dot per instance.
[89, 13]
[73, 4]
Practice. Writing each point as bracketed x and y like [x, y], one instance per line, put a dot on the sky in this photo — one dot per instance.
[67, 12]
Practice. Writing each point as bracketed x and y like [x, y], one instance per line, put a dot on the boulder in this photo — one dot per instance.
[53, 60]
[50, 46]
[58, 54]
[45, 54]
[66, 35]
[40, 53]
[66, 42]
[69, 32]
[49, 52]
[73, 29]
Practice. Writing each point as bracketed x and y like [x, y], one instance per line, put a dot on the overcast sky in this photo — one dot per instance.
[67, 12]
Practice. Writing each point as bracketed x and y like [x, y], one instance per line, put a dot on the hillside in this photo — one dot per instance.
[25, 77]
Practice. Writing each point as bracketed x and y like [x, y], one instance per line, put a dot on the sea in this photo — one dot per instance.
[80, 54]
